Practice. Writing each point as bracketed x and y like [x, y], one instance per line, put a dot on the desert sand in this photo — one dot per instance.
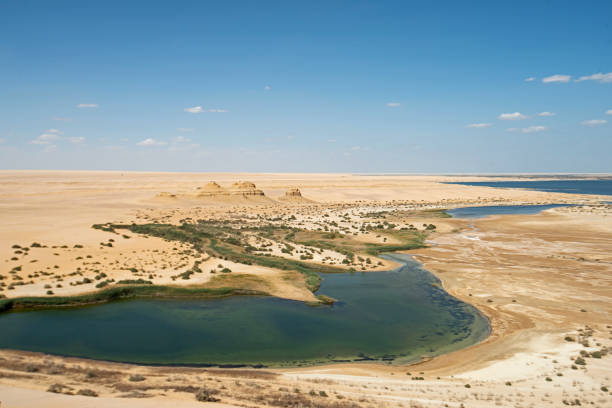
[543, 281]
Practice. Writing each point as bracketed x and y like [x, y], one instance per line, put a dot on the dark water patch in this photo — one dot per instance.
[596, 187]
[395, 316]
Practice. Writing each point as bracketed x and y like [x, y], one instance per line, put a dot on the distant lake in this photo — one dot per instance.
[485, 211]
[397, 316]
[596, 187]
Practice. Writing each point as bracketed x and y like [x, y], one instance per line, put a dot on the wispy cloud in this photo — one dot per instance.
[87, 105]
[62, 119]
[601, 77]
[512, 116]
[181, 139]
[557, 78]
[199, 109]
[185, 129]
[393, 104]
[479, 125]
[530, 79]
[267, 88]
[77, 139]
[594, 122]
[331, 140]
[546, 114]
[530, 129]
[195, 109]
[47, 137]
[151, 142]
[609, 112]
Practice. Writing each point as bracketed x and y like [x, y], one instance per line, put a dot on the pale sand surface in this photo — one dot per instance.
[531, 275]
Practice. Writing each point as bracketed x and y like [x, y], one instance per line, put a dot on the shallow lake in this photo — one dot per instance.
[597, 187]
[485, 211]
[396, 316]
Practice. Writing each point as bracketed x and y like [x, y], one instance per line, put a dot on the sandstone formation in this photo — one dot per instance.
[245, 189]
[294, 195]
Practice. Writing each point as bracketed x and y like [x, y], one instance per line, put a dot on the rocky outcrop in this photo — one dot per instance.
[294, 195]
[212, 189]
[245, 189]
[239, 193]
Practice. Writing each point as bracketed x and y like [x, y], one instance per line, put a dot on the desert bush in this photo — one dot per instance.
[87, 393]
[580, 361]
[206, 395]
[56, 388]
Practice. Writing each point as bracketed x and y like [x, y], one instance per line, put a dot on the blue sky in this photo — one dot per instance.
[313, 86]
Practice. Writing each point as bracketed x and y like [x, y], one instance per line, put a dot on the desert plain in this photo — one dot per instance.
[544, 281]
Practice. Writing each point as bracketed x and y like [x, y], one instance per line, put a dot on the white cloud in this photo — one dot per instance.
[512, 116]
[267, 88]
[181, 139]
[609, 112]
[195, 109]
[393, 105]
[150, 142]
[530, 129]
[61, 119]
[546, 114]
[77, 140]
[199, 109]
[356, 148]
[46, 138]
[87, 105]
[594, 122]
[530, 79]
[557, 78]
[597, 77]
[479, 125]
[185, 129]
[331, 140]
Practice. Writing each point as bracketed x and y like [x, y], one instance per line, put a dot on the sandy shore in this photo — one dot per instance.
[540, 279]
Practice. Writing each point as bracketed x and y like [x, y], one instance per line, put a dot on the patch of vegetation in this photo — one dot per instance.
[138, 281]
[120, 292]
[222, 240]
[348, 246]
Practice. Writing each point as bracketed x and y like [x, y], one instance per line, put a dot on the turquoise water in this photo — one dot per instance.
[485, 211]
[387, 316]
[597, 187]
